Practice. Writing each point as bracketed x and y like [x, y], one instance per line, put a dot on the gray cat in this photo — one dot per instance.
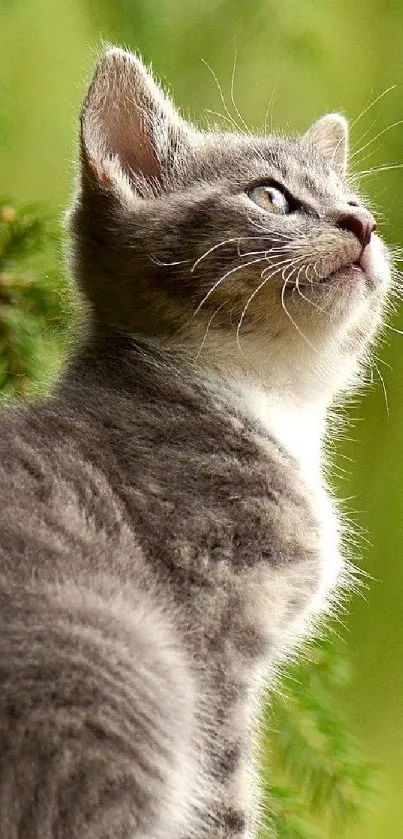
[166, 533]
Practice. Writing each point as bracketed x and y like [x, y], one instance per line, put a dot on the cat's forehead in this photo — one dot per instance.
[293, 162]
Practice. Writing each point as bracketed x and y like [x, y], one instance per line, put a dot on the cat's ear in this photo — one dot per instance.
[130, 130]
[329, 135]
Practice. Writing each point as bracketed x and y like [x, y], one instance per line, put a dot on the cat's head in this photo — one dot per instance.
[252, 254]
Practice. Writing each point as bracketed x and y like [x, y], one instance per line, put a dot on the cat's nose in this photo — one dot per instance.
[360, 222]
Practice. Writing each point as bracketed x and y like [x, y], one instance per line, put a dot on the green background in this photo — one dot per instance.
[296, 59]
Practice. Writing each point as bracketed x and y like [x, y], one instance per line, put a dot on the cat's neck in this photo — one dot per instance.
[298, 425]
[285, 391]
[125, 364]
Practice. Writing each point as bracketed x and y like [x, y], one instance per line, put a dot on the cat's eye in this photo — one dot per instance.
[269, 198]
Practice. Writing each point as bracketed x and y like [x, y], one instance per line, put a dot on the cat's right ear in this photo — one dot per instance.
[131, 133]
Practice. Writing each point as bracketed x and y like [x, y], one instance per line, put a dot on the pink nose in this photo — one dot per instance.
[360, 222]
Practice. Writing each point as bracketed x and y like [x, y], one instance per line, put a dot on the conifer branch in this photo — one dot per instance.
[34, 306]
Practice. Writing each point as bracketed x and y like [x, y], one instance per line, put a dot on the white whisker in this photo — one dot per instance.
[213, 113]
[265, 279]
[298, 289]
[223, 102]
[232, 93]
[393, 329]
[382, 380]
[290, 316]
[225, 276]
[221, 244]
[371, 104]
[208, 327]
[290, 261]
[360, 115]
[377, 169]
[270, 233]
[162, 264]
[380, 134]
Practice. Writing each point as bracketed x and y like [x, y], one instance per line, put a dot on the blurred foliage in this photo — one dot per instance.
[291, 61]
[316, 781]
[35, 307]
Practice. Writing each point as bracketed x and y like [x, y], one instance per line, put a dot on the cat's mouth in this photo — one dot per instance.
[351, 270]
[369, 267]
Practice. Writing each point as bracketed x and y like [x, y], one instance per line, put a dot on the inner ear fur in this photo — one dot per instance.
[128, 122]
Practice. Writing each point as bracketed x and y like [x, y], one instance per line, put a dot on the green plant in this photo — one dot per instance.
[316, 782]
[35, 304]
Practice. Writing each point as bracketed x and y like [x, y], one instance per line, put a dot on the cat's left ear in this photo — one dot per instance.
[329, 135]
[130, 130]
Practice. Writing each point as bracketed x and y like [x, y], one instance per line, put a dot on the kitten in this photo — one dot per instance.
[166, 532]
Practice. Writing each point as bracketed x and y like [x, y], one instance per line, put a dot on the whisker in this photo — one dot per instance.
[232, 92]
[360, 160]
[307, 273]
[299, 274]
[224, 104]
[270, 108]
[271, 233]
[371, 104]
[377, 169]
[293, 261]
[221, 245]
[372, 140]
[265, 279]
[213, 113]
[382, 380]
[360, 115]
[167, 264]
[393, 329]
[207, 329]
[284, 307]
[356, 147]
[298, 289]
[264, 251]
[290, 260]
[224, 277]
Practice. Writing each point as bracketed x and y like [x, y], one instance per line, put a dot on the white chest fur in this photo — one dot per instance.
[300, 432]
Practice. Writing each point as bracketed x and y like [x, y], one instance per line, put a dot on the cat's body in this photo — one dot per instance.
[166, 534]
[139, 488]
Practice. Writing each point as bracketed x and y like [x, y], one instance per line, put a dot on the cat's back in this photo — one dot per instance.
[60, 516]
[91, 654]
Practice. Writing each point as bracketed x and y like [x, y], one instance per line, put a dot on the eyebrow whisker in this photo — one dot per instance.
[224, 104]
